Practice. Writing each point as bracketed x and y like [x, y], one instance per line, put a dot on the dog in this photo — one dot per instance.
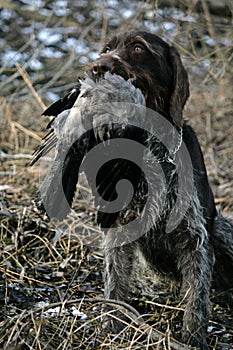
[198, 251]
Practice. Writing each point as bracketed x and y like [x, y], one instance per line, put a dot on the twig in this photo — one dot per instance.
[104, 27]
[7, 113]
[165, 306]
[15, 156]
[27, 80]
[132, 313]
[8, 173]
[26, 131]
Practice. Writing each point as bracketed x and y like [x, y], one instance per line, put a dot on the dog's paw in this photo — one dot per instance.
[113, 321]
[196, 340]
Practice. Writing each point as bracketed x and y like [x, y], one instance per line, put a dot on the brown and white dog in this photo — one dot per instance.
[200, 248]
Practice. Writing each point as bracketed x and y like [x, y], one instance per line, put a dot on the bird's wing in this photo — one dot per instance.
[58, 188]
[58, 108]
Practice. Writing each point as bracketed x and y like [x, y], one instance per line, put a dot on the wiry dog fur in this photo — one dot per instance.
[201, 245]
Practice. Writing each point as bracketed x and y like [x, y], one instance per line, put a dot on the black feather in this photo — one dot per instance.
[64, 103]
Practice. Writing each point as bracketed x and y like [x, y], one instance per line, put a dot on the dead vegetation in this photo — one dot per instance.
[51, 288]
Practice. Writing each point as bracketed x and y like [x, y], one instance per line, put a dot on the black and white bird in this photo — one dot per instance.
[91, 113]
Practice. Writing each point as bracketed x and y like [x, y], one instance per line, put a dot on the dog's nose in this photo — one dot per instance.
[101, 66]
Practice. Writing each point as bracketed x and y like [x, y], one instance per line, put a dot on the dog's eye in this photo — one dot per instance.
[138, 49]
[107, 49]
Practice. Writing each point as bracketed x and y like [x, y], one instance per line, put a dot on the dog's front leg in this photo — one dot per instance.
[117, 274]
[196, 268]
[118, 268]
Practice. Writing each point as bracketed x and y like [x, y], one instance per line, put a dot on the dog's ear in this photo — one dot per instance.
[180, 89]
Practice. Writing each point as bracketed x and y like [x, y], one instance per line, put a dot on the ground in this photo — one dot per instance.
[51, 288]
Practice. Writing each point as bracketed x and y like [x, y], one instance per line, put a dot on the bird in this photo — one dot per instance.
[93, 112]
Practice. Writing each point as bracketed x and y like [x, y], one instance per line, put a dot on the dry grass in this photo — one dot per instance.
[44, 269]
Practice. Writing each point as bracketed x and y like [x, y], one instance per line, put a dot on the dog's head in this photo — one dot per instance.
[154, 67]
